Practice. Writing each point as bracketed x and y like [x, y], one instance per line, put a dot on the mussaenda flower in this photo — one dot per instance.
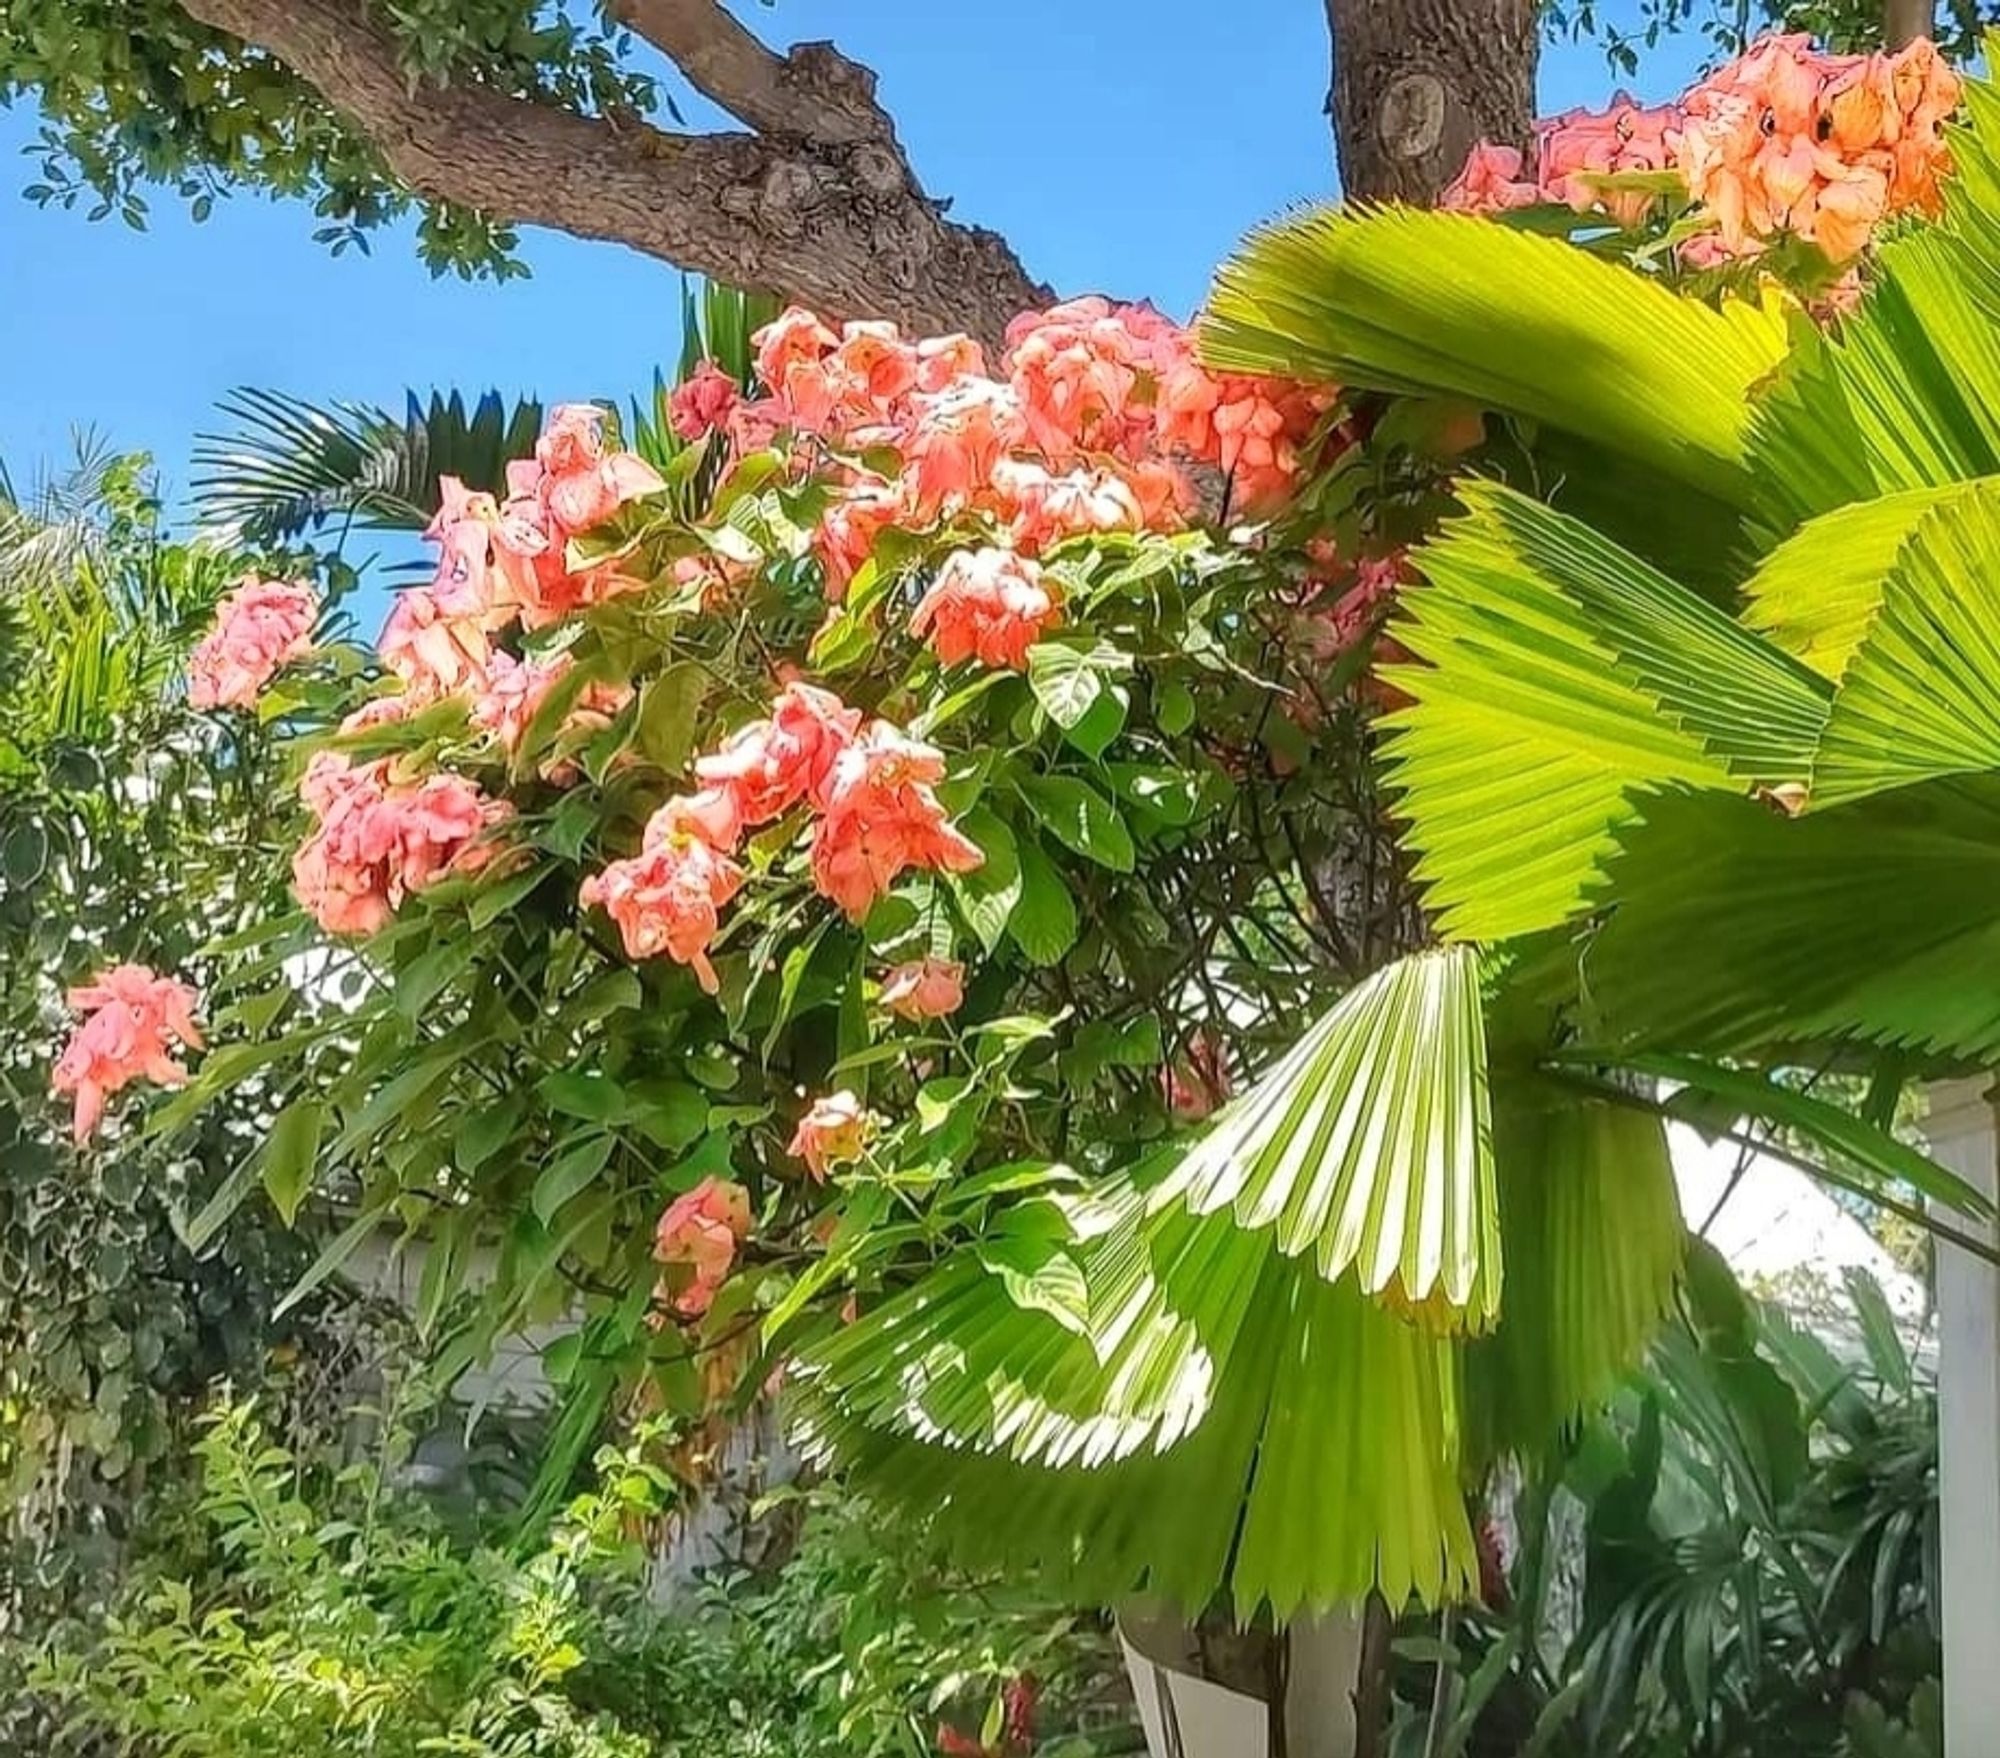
[699, 1232]
[987, 604]
[260, 627]
[668, 898]
[773, 764]
[925, 988]
[130, 1018]
[880, 817]
[703, 402]
[834, 1132]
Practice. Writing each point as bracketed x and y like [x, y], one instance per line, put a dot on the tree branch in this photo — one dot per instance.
[812, 93]
[838, 223]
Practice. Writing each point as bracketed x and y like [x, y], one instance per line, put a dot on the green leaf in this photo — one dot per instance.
[1741, 931]
[569, 1174]
[1412, 301]
[290, 1153]
[493, 901]
[1817, 592]
[226, 1200]
[1836, 1132]
[1043, 921]
[1134, 1043]
[1524, 740]
[419, 982]
[1074, 684]
[1040, 1276]
[583, 1093]
[668, 712]
[1920, 697]
[483, 1130]
[988, 894]
[1081, 818]
[1591, 1229]
[342, 1247]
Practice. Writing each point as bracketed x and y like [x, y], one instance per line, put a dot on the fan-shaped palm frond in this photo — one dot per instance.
[1561, 674]
[1280, 1309]
[1368, 1145]
[1282, 1384]
[1637, 400]
[290, 466]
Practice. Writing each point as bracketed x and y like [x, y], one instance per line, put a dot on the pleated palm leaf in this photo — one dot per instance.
[1701, 768]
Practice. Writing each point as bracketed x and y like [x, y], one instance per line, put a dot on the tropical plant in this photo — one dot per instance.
[1754, 1524]
[1661, 846]
[1168, 835]
[151, 826]
[301, 1605]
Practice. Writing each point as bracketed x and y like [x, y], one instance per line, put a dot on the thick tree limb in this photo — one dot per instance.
[835, 220]
[1417, 82]
[812, 93]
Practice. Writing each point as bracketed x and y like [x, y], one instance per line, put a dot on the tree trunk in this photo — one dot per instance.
[1903, 21]
[1417, 82]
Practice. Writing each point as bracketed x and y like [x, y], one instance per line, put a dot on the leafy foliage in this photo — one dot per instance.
[314, 1610]
[149, 97]
[1756, 1522]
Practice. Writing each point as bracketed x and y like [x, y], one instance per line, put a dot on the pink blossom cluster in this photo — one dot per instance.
[1783, 140]
[260, 627]
[868, 787]
[987, 604]
[696, 1243]
[129, 1017]
[377, 839]
[507, 563]
[1090, 425]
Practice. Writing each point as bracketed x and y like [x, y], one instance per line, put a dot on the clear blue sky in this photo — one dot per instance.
[1122, 145]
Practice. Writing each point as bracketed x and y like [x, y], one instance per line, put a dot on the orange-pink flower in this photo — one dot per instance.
[1490, 182]
[855, 516]
[987, 604]
[771, 765]
[699, 1232]
[834, 1132]
[880, 817]
[511, 691]
[925, 988]
[377, 839]
[1198, 1081]
[669, 897]
[1075, 369]
[490, 558]
[1580, 145]
[129, 1016]
[955, 438]
[582, 484]
[702, 403]
[433, 652]
[260, 627]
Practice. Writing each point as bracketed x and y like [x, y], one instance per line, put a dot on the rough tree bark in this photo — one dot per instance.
[818, 201]
[1903, 21]
[1417, 82]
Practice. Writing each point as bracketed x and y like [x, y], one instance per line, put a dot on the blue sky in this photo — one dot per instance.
[1123, 145]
